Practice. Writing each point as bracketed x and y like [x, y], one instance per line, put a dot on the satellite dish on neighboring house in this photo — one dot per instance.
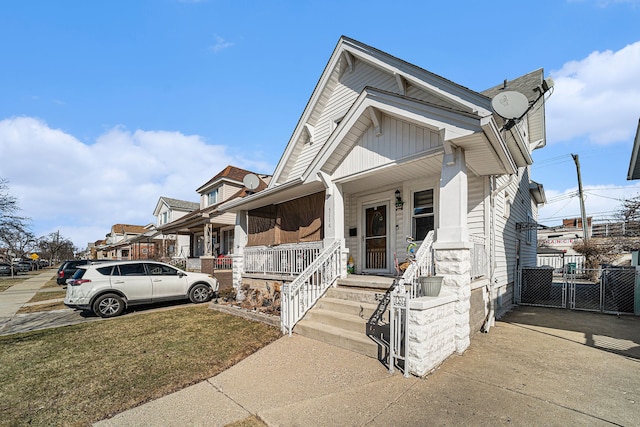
[510, 105]
[251, 181]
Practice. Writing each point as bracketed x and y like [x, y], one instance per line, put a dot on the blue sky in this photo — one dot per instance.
[107, 105]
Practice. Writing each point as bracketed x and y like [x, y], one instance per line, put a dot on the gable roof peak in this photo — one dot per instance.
[232, 173]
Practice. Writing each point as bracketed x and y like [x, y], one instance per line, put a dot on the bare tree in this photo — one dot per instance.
[625, 238]
[630, 209]
[14, 233]
[629, 213]
[55, 247]
[20, 242]
[9, 208]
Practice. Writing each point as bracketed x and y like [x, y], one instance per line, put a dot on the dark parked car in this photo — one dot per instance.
[5, 269]
[67, 268]
[23, 266]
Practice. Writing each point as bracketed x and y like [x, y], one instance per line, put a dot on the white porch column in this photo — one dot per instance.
[452, 212]
[334, 217]
[452, 246]
[208, 240]
[241, 232]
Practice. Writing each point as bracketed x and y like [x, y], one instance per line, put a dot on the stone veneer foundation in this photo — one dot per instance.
[439, 326]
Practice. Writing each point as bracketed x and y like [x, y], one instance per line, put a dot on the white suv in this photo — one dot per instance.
[108, 288]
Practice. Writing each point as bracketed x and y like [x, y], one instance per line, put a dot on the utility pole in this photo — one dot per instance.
[585, 226]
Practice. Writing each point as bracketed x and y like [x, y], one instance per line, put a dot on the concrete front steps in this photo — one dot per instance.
[352, 315]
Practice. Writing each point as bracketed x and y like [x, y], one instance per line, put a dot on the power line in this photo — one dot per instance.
[563, 197]
[615, 188]
[605, 197]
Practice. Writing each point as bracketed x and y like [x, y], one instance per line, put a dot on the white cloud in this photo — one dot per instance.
[82, 189]
[596, 98]
[220, 44]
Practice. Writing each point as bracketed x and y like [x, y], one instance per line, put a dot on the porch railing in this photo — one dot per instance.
[194, 264]
[422, 265]
[282, 260]
[301, 294]
[478, 255]
[223, 263]
[401, 295]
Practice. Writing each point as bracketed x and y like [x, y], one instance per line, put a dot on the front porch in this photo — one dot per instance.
[354, 311]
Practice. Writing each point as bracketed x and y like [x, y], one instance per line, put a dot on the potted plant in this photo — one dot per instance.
[430, 285]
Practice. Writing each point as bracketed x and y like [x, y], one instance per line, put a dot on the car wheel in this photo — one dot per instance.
[200, 293]
[108, 305]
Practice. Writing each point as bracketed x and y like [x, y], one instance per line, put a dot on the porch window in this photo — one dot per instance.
[423, 215]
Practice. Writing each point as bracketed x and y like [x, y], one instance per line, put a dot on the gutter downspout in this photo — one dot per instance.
[490, 319]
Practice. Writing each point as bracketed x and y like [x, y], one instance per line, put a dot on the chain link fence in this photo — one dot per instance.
[541, 286]
[607, 289]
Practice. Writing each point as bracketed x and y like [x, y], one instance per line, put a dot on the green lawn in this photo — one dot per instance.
[79, 374]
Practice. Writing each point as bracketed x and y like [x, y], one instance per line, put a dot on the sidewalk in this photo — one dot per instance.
[536, 367]
[12, 299]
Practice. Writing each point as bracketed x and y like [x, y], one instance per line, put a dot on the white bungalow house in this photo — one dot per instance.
[385, 150]
[168, 210]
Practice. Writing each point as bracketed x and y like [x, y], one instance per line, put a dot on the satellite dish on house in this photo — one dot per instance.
[510, 104]
[251, 181]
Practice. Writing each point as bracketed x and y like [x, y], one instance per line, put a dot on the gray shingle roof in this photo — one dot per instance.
[180, 204]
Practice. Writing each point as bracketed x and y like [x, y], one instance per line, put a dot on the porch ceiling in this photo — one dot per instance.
[393, 174]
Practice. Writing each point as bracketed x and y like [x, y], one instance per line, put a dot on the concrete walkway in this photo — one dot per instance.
[536, 367]
[13, 298]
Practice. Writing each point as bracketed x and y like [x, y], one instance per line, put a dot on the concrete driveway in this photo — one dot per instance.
[536, 367]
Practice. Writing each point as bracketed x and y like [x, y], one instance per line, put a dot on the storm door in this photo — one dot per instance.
[376, 238]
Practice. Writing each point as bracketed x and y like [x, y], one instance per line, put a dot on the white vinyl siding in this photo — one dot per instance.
[504, 238]
[522, 210]
[398, 141]
[478, 192]
[338, 102]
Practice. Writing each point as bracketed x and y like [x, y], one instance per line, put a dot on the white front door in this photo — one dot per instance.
[376, 238]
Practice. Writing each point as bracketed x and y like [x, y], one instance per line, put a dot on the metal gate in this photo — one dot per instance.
[607, 290]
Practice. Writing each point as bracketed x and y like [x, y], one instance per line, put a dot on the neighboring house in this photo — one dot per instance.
[385, 150]
[95, 249]
[565, 236]
[166, 211]
[117, 244]
[210, 232]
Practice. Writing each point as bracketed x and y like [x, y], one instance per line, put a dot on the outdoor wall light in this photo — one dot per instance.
[399, 201]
